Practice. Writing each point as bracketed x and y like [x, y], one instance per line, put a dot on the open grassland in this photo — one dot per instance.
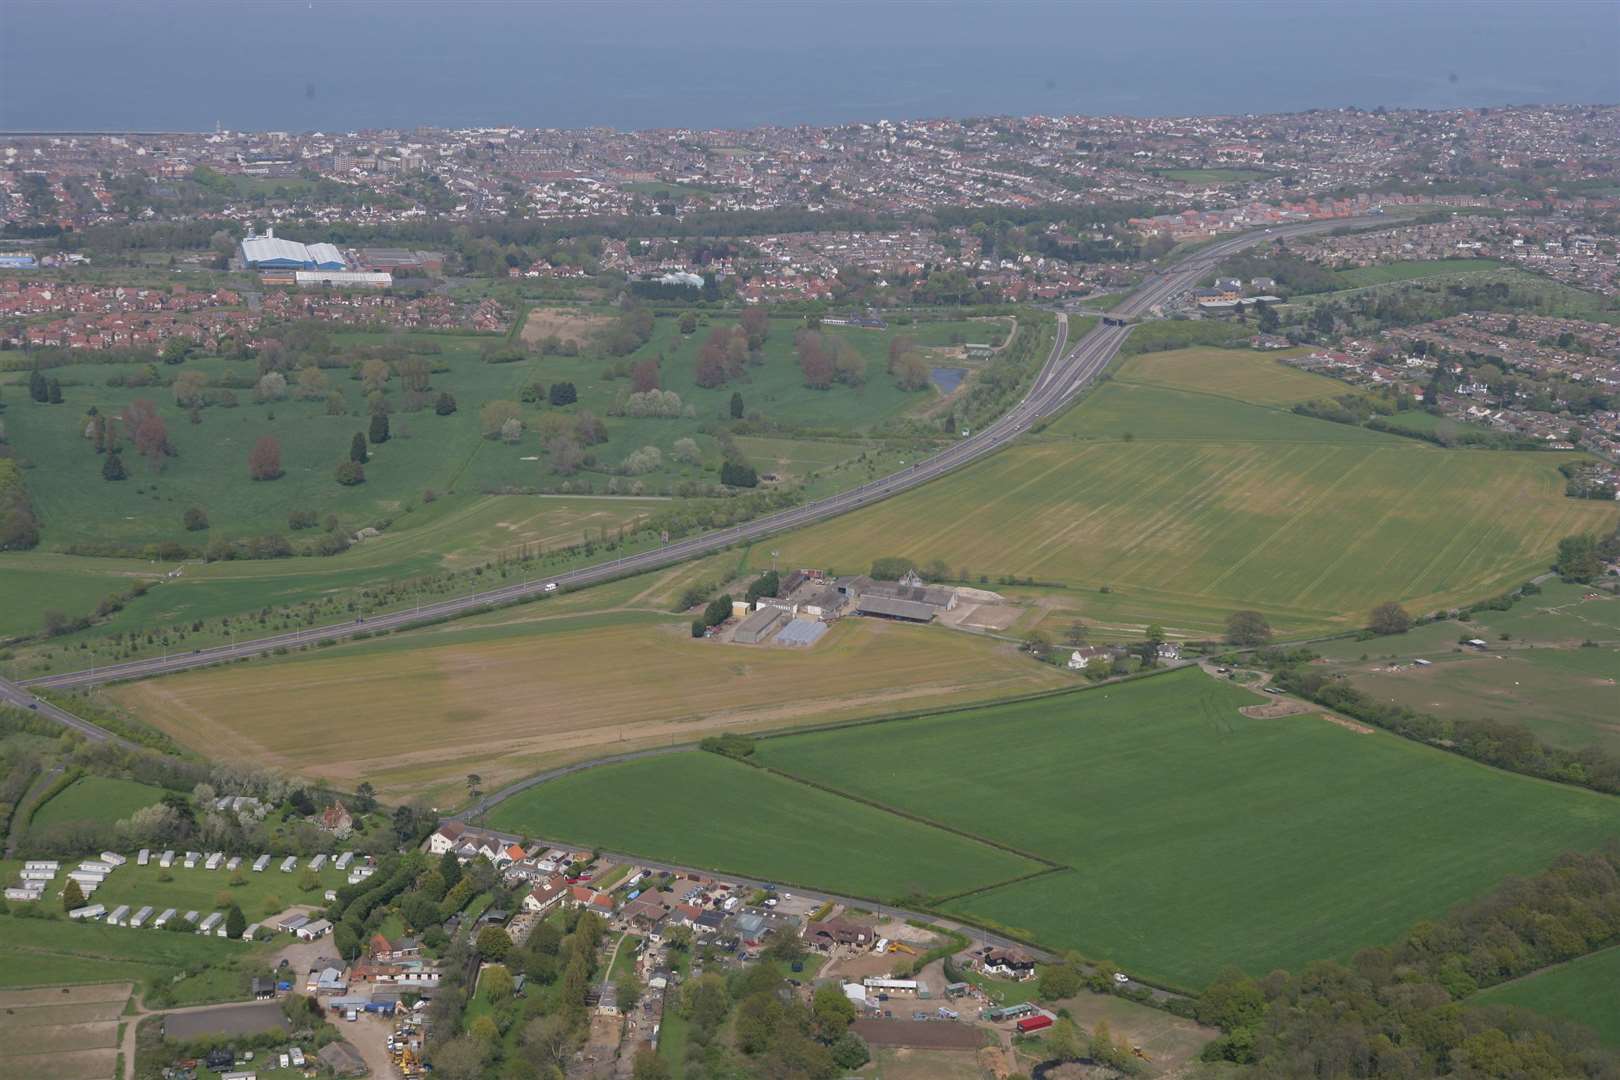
[1569, 697]
[1257, 377]
[1536, 672]
[1585, 990]
[97, 798]
[1212, 505]
[700, 809]
[1174, 813]
[513, 691]
[1384, 273]
[61, 1033]
[50, 952]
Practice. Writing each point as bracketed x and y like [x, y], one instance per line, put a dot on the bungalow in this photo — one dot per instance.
[646, 910]
[312, 930]
[831, 932]
[588, 898]
[1168, 650]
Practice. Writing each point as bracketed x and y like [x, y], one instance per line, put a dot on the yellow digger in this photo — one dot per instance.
[900, 946]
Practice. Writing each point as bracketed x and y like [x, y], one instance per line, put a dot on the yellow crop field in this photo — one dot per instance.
[420, 712]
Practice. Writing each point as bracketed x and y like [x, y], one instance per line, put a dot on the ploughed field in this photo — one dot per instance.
[1166, 812]
[1178, 505]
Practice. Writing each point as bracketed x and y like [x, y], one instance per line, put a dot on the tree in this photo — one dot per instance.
[688, 323]
[1579, 560]
[474, 781]
[450, 869]
[1247, 628]
[1389, 618]
[494, 944]
[113, 467]
[72, 896]
[686, 452]
[496, 982]
[351, 473]
[834, 1012]
[1155, 634]
[446, 403]
[814, 362]
[357, 449]
[562, 393]
[460, 1059]
[738, 474]
[53, 392]
[264, 460]
[195, 519]
[308, 880]
[648, 1065]
[494, 414]
[911, 371]
[235, 923]
[756, 326]
[147, 431]
[379, 428]
[1074, 635]
[644, 375]
[272, 386]
[1058, 981]
[736, 406]
[849, 1051]
[188, 388]
[365, 797]
[38, 389]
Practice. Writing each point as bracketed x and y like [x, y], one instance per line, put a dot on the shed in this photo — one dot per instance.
[889, 608]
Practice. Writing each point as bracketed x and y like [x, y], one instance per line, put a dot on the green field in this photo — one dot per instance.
[97, 798]
[1258, 378]
[1585, 990]
[199, 890]
[702, 810]
[1384, 273]
[1170, 812]
[1187, 505]
[48, 952]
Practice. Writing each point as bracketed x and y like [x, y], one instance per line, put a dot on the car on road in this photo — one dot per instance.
[1121, 978]
[551, 586]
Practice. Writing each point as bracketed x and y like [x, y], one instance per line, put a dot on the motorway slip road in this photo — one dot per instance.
[1067, 371]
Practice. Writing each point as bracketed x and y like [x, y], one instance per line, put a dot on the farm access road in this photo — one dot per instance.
[1067, 371]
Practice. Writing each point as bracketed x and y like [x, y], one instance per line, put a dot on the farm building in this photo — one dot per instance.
[312, 930]
[350, 279]
[759, 626]
[887, 607]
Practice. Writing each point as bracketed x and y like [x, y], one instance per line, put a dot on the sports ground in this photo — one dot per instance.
[1165, 809]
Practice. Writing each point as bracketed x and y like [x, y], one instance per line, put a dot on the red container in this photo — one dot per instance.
[1033, 1023]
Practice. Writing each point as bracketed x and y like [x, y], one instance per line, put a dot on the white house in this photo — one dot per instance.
[1082, 658]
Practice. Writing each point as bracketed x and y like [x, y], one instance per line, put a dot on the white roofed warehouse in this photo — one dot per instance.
[271, 252]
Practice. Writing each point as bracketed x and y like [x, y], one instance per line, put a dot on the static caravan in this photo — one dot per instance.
[140, 917]
[38, 875]
[166, 860]
[318, 861]
[87, 877]
[191, 859]
[24, 893]
[249, 930]
[233, 862]
[42, 864]
[260, 863]
[210, 922]
[112, 858]
[342, 861]
[96, 867]
[89, 911]
[143, 856]
[163, 919]
[190, 916]
[214, 861]
[288, 863]
[119, 914]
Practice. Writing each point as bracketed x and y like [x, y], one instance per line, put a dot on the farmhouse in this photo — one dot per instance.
[337, 820]
[1007, 964]
[831, 932]
[1082, 658]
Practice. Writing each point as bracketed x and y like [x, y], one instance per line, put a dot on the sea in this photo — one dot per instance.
[346, 65]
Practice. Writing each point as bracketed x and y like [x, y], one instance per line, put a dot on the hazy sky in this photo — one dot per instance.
[345, 64]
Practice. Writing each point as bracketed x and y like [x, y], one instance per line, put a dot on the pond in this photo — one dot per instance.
[948, 378]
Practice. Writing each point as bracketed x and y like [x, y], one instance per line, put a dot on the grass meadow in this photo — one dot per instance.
[1168, 810]
[1410, 270]
[509, 693]
[1585, 990]
[53, 952]
[700, 809]
[97, 798]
